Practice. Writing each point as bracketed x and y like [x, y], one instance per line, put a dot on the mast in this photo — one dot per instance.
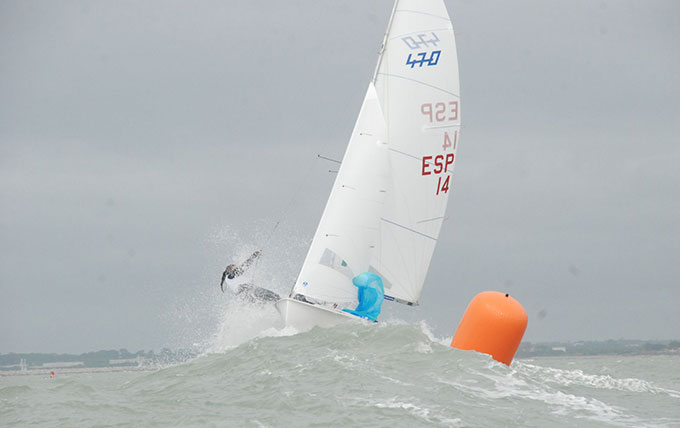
[384, 42]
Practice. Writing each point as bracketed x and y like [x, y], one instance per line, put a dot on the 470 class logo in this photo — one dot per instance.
[419, 41]
[422, 59]
[422, 41]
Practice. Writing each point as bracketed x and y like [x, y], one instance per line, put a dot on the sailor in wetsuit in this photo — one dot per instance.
[243, 290]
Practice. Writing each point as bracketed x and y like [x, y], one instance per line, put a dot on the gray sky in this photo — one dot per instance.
[144, 145]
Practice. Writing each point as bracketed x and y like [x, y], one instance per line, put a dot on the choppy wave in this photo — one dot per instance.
[255, 373]
[578, 378]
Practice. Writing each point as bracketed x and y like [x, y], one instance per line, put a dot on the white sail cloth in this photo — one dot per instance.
[418, 86]
[348, 230]
[388, 202]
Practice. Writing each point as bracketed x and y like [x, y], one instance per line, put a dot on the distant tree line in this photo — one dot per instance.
[91, 359]
[607, 347]
[12, 361]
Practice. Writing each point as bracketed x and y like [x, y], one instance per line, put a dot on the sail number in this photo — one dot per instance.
[419, 41]
[447, 140]
[439, 164]
[422, 59]
[440, 112]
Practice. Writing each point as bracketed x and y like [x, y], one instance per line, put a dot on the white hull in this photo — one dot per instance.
[304, 316]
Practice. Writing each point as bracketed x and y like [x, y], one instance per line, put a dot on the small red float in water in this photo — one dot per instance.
[52, 373]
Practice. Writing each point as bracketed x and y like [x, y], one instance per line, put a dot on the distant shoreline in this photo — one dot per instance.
[594, 348]
[563, 355]
[79, 370]
[59, 372]
[18, 364]
[89, 362]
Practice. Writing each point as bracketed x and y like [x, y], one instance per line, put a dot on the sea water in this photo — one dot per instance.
[392, 374]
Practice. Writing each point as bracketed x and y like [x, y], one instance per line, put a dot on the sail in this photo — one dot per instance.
[388, 201]
[348, 231]
[418, 88]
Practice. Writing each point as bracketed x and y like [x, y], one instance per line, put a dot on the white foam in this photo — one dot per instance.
[417, 411]
[529, 382]
[560, 402]
[578, 377]
[396, 381]
[423, 348]
[427, 331]
[237, 321]
[279, 332]
[409, 407]
[242, 322]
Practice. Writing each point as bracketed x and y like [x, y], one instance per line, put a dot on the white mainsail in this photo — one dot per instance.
[418, 86]
[348, 230]
[388, 202]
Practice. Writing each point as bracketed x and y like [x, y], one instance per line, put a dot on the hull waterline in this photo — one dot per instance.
[304, 316]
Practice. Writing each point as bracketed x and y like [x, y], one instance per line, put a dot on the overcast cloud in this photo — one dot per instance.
[145, 145]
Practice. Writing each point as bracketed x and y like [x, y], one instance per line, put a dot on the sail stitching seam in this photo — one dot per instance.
[421, 82]
[405, 154]
[407, 228]
[422, 13]
[420, 31]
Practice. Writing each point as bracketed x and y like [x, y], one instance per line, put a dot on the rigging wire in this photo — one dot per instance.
[287, 208]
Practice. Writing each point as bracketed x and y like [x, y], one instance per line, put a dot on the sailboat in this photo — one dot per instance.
[388, 202]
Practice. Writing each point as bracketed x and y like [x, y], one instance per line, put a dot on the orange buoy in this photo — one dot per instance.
[493, 324]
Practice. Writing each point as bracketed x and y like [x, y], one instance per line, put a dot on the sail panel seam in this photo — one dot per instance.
[423, 13]
[408, 228]
[456, 125]
[405, 154]
[430, 219]
[421, 82]
[421, 31]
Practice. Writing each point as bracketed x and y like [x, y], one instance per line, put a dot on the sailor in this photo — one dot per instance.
[241, 288]
[370, 294]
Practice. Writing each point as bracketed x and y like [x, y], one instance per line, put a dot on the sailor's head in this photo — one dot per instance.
[231, 271]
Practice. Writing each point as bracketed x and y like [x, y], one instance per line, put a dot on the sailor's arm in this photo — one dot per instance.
[224, 276]
[249, 262]
[232, 271]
